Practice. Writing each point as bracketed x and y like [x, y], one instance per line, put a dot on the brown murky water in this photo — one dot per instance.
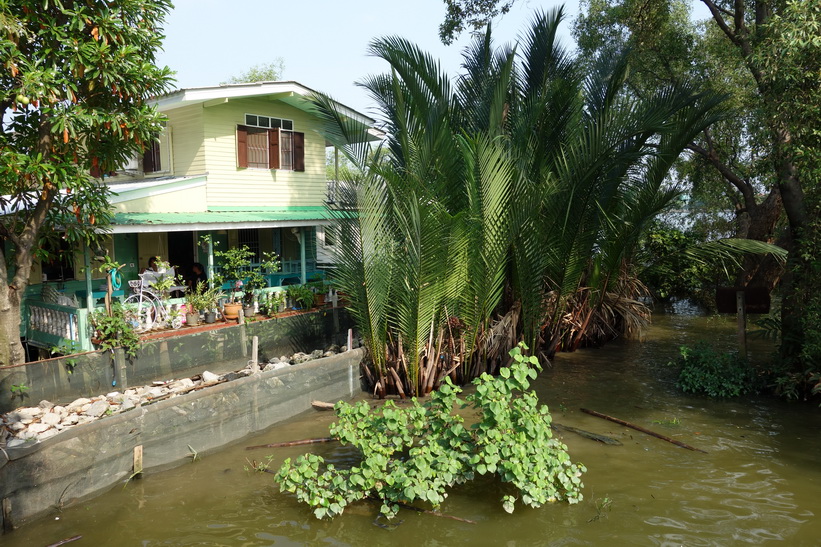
[759, 483]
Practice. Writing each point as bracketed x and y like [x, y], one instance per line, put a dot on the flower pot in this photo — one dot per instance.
[210, 317]
[192, 319]
[319, 299]
[231, 311]
[248, 311]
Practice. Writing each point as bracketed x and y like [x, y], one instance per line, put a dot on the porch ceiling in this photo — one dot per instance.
[129, 223]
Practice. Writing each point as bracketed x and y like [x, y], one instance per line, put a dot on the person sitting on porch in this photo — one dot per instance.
[152, 265]
[197, 275]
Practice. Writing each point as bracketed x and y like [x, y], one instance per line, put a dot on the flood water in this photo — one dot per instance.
[760, 481]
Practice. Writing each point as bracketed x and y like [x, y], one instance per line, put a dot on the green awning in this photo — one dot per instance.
[219, 220]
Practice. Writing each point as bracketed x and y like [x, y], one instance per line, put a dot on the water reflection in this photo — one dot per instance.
[758, 483]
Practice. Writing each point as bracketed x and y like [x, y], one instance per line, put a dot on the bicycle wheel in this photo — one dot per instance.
[141, 314]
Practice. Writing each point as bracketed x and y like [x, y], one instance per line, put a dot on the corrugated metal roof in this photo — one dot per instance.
[217, 220]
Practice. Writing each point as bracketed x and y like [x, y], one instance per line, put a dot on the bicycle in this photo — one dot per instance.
[144, 310]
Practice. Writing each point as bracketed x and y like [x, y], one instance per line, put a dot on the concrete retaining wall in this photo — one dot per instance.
[87, 460]
[190, 352]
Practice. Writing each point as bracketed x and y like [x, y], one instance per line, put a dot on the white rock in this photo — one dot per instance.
[27, 434]
[284, 359]
[181, 385]
[47, 434]
[343, 349]
[275, 366]
[51, 418]
[114, 396]
[60, 410]
[14, 443]
[38, 428]
[209, 377]
[85, 419]
[71, 419]
[22, 416]
[131, 393]
[155, 392]
[77, 404]
[45, 405]
[96, 409]
[328, 354]
[128, 404]
[17, 426]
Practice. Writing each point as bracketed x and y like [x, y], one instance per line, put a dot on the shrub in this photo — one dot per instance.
[717, 374]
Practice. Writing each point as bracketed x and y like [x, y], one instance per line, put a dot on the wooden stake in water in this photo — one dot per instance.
[138, 461]
[255, 354]
[741, 312]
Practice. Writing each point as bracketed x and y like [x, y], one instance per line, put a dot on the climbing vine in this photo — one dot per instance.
[414, 454]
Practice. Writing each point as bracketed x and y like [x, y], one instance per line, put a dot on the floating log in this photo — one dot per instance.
[292, 443]
[322, 405]
[643, 430]
[586, 434]
[64, 541]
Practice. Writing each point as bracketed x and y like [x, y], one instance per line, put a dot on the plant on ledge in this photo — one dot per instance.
[113, 331]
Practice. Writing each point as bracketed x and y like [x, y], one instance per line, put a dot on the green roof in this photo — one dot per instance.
[296, 216]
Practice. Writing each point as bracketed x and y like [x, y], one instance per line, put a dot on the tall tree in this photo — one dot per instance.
[765, 53]
[75, 77]
[525, 176]
[264, 72]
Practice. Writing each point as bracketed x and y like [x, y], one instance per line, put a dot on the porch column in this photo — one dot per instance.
[87, 265]
[302, 265]
[210, 265]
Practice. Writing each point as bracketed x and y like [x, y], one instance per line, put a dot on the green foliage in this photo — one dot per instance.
[474, 14]
[667, 271]
[716, 374]
[67, 347]
[19, 390]
[301, 295]
[75, 81]
[263, 72]
[271, 302]
[113, 331]
[415, 454]
[529, 173]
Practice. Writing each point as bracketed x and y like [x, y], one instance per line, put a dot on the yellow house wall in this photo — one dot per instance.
[187, 148]
[229, 185]
[190, 200]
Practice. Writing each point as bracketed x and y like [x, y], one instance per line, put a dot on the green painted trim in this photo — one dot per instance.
[292, 209]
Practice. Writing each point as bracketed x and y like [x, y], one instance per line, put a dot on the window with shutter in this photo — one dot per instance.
[270, 143]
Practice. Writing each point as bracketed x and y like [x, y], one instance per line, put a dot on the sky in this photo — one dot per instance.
[324, 43]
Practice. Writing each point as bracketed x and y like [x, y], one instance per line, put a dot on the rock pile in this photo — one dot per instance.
[34, 424]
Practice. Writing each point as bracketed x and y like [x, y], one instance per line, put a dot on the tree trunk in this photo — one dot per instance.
[11, 348]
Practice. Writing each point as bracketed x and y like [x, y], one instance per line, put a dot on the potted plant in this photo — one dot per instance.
[196, 301]
[211, 299]
[235, 268]
[318, 288]
[272, 303]
[253, 285]
[301, 296]
[234, 264]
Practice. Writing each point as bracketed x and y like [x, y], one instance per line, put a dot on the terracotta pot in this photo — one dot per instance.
[319, 299]
[231, 311]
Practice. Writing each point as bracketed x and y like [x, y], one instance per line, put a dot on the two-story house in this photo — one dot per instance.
[244, 164]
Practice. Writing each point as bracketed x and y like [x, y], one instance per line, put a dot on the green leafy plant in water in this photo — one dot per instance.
[717, 374]
[415, 454]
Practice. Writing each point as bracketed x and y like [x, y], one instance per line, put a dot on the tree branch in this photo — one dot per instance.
[743, 187]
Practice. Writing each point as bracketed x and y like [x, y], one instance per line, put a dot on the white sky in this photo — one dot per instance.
[323, 42]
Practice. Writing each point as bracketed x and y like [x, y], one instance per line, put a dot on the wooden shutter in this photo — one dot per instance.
[242, 146]
[299, 151]
[151, 158]
[273, 149]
